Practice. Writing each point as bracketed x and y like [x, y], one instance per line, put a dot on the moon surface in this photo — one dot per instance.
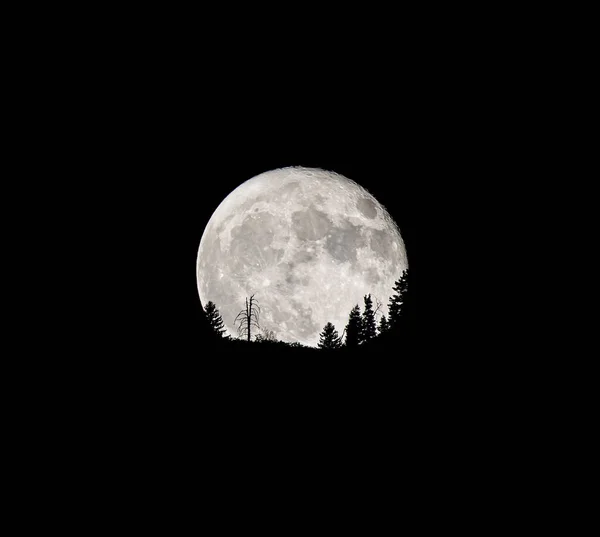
[308, 243]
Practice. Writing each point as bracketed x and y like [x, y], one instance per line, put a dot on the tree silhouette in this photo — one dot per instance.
[214, 319]
[329, 338]
[248, 318]
[369, 327]
[398, 298]
[354, 328]
[384, 326]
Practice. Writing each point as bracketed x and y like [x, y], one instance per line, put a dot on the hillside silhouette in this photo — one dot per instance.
[396, 341]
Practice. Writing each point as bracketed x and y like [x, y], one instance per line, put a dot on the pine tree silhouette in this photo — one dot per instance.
[329, 338]
[369, 327]
[214, 319]
[383, 325]
[398, 298]
[354, 328]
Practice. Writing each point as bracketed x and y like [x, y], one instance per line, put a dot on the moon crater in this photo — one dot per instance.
[343, 243]
[367, 207]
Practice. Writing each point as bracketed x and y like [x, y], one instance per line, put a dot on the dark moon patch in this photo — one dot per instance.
[292, 279]
[367, 207]
[247, 237]
[381, 242]
[303, 256]
[287, 191]
[310, 224]
[251, 240]
[343, 243]
[252, 246]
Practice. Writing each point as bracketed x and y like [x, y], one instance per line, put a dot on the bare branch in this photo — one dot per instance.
[379, 305]
[248, 318]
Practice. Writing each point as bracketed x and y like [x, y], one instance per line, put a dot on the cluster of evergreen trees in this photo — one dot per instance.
[361, 327]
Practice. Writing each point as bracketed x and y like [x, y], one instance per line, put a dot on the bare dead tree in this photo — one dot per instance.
[248, 318]
[379, 305]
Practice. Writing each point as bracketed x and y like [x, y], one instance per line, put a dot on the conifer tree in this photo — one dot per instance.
[369, 327]
[354, 328]
[329, 338]
[214, 319]
[398, 298]
[383, 325]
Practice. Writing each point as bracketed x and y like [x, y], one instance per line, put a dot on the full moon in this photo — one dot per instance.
[308, 243]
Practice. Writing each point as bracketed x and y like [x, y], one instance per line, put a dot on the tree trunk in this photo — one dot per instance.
[249, 321]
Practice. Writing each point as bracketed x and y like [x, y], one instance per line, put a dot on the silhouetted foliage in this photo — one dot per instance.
[297, 345]
[248, 318]
[358, 337]
[329, 338]
[266, 335]
[383, 325]
[354, 328]
[214, 319]
[369, 327]
[398, 298]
